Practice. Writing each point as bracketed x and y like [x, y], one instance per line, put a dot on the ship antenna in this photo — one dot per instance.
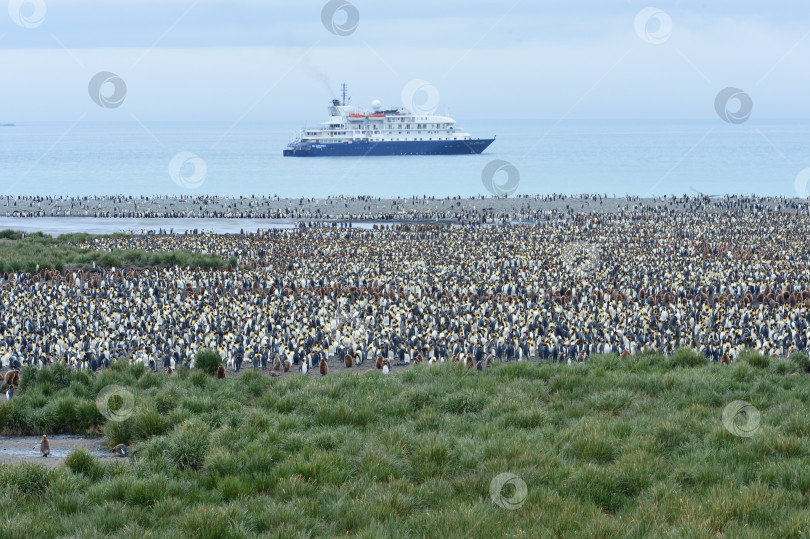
[343, 87]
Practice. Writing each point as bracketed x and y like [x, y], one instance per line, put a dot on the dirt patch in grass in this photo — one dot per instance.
[15, 449]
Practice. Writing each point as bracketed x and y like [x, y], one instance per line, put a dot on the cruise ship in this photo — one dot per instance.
[351, 131]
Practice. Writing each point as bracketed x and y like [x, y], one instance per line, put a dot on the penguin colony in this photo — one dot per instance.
[715, 276]
[364, 208]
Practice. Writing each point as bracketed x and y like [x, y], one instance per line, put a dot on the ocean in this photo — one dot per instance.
[641, 158]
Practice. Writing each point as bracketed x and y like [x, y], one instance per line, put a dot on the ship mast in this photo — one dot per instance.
[343, 87]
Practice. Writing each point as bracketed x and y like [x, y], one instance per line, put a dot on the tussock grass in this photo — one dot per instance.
[27, 251]
[207, 361]
[80, 461]
[612, 448]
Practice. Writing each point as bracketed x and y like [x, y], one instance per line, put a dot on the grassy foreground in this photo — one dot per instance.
[24, 252]
[611, 448]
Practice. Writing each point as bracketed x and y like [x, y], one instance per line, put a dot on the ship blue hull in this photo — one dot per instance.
[415, 147]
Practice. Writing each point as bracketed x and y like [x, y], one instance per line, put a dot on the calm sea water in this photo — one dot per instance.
[640, 158]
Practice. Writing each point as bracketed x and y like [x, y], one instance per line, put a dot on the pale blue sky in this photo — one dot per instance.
[253, 60]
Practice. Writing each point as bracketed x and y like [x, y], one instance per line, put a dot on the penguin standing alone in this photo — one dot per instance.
[45, 446]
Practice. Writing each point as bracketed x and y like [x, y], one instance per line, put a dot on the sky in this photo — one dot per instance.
[251, 60]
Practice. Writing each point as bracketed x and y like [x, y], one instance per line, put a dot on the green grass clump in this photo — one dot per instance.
[207, 361]
[188, 445]
[80, 461]
[801, 361]
[614, 447]
[685, 357]
[755, 359]
[26, 479]
[29, 251]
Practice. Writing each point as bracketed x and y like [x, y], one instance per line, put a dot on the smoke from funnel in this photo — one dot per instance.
[318, 75]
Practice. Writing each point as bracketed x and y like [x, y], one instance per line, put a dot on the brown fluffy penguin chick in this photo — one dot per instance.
[221, 371]
[479, 366]
[725, 360]
[418, 358]
[170, 371]
[348, 360]
[12, 378]
[379, 362]
[45, 446]
[469, 360]
[277, 364]
[625, 353]
[287, 365]
[323, 367]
